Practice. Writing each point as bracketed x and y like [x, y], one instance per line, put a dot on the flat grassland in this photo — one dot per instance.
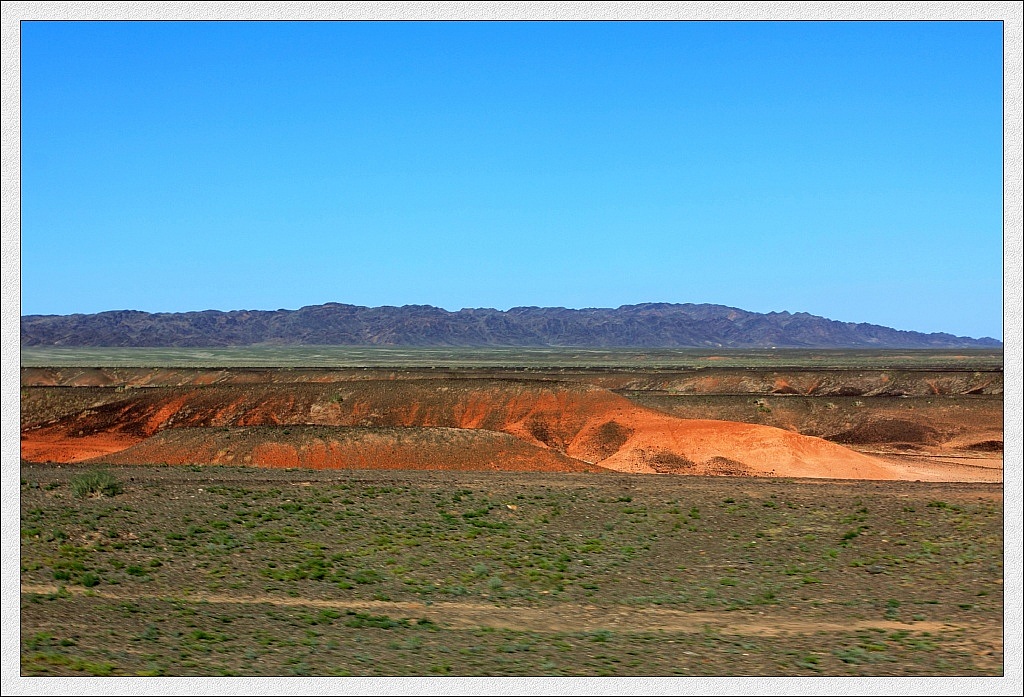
[200, 569]
[521, 359]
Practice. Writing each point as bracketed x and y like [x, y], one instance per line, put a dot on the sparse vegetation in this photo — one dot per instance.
[325, 574]
[96, 483]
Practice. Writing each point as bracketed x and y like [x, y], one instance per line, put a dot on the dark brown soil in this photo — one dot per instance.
[889, 431]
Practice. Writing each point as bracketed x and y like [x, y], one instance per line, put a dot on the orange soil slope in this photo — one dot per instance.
[54, 446]
[586, 423]
[661, 443]
[347, 448]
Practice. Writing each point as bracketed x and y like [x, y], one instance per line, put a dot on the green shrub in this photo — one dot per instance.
[96, 483]
[363, 619]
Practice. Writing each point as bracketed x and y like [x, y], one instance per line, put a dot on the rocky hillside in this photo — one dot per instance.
[649, 325]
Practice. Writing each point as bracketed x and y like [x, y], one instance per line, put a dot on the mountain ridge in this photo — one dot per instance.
[644, 325]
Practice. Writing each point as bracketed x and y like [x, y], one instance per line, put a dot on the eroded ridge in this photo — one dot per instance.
[557, 426]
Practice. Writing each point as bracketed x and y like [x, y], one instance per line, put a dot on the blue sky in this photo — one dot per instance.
[851, 170]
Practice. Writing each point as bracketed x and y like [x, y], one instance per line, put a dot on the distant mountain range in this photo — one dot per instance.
[650, 325]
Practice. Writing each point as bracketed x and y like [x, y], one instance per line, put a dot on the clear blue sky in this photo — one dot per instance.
[851, 170]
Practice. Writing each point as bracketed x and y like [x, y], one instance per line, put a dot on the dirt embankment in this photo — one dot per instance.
[821, 383]
[318, 447]
[718, 381]
[585, 423]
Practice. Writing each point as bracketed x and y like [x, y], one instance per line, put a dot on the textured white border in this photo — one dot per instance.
[13, 12]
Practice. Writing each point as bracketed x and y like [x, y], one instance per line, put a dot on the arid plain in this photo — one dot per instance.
[617, 513]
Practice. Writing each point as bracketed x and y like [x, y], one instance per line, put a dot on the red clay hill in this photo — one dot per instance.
[424, 423]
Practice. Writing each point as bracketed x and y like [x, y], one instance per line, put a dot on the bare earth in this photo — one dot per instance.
[560, 425]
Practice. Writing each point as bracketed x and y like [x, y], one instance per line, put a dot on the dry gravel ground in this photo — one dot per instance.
[243, 571]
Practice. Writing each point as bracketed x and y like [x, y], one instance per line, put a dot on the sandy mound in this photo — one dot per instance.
[320, 447]
[661, 443]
